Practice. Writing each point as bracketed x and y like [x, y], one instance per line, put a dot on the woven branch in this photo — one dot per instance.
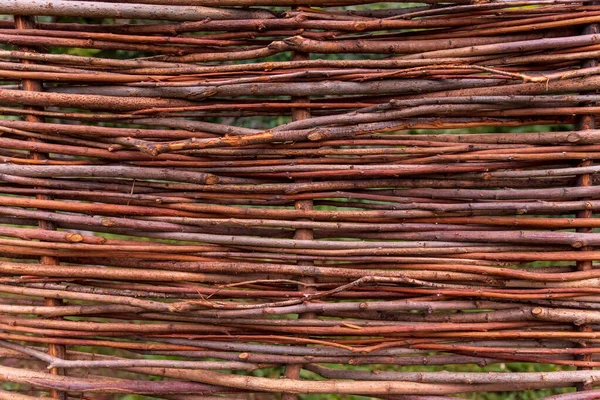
[233, 198]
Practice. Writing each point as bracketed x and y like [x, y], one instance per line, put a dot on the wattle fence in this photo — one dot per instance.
[207, 199]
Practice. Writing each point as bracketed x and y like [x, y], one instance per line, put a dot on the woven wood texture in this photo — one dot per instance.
[255, 199]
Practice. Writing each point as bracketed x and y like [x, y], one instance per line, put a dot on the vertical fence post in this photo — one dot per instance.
[34, 85]
[584, 122]
[293, 370]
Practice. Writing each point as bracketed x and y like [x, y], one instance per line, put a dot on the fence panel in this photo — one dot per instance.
[254, 199]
